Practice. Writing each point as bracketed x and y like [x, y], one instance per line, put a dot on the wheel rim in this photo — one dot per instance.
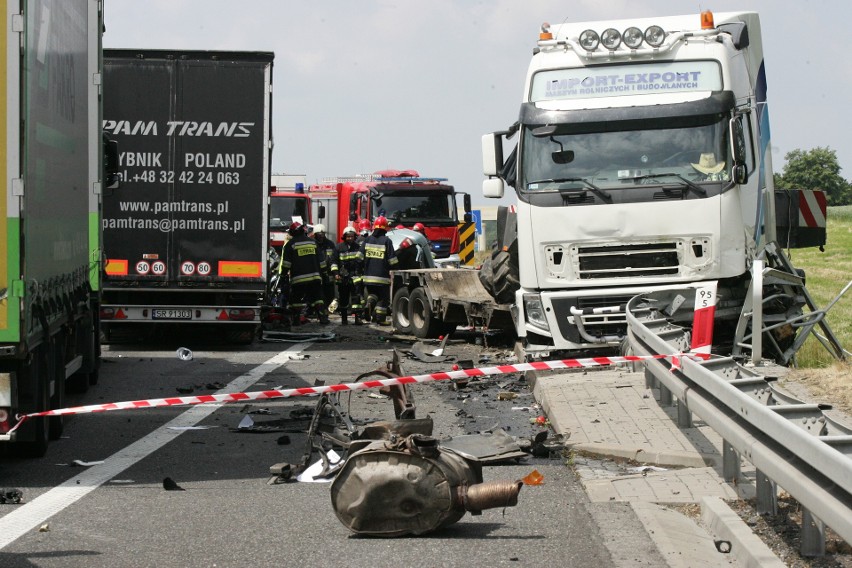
[418, 313]
[401, 312]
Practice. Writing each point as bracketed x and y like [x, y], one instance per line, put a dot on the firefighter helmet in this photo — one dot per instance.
[349, 231]
[319, 228]
[364, 225]
[419, 228]
[295, 228]
[381, 222]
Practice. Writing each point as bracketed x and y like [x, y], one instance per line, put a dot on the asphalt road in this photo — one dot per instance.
[117, 513]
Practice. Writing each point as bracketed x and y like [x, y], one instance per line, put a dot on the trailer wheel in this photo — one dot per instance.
[34, 433]
[423, 324]
[401, 310]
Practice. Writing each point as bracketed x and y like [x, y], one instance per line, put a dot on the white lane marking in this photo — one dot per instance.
[34, 513]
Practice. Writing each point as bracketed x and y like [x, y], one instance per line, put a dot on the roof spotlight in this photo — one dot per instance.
[589, 40]
[655, 36]
[611, 38]
[632, 37]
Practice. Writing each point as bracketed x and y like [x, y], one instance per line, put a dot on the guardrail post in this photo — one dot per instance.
[684, 416]
[767, 494]
[730, 462]
[651, 381]
[813, 535]
[665, 396]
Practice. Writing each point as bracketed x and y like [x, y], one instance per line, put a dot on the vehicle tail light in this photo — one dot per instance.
[113, 314]
[245, 314]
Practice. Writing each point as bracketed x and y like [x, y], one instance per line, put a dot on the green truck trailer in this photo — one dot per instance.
[52, 164]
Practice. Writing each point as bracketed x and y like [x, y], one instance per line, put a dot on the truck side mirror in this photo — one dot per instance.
[493, 187]
[467, 206]
[738, 148]
[492, 154]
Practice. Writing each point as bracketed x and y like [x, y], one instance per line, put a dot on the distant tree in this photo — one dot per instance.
[816, 169]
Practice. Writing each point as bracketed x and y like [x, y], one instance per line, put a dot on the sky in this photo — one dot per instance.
[365, 85]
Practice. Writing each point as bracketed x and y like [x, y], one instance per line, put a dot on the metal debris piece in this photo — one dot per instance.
[488, 447]
[419, 352]
[412, 486]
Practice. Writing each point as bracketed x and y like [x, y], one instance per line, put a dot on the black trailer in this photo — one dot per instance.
[185, 237]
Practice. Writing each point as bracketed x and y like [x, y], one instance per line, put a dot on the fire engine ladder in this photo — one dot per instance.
[773, 269]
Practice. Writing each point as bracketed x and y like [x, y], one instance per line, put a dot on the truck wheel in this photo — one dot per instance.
[34, 433]
[505, 280]
[401, 310]
[422, 323]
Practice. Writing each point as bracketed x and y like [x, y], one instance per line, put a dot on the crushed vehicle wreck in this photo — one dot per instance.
[412, 486]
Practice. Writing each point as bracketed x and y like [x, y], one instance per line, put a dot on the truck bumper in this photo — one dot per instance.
[115, 313]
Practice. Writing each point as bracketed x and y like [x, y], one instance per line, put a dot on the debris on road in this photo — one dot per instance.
[399, 487]
[184, 354]
[81, 463]
[11, 496]
[170, 485]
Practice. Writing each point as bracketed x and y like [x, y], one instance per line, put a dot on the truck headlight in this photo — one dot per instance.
[534, 310]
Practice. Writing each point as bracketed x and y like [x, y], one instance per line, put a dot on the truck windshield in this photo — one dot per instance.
[282, 209]
[683, 155]
[419, 205]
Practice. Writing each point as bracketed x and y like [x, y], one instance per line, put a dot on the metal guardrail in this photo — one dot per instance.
[792, 444]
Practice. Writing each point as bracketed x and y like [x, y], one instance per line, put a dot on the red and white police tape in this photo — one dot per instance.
[305, 391]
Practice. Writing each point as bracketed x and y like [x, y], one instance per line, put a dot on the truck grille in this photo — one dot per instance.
[595, 324]
[627, 261]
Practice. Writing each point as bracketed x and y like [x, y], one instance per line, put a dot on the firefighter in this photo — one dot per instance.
[363, 231]
[327, 251]
[305, 265]
[379, 258]
[349, 277]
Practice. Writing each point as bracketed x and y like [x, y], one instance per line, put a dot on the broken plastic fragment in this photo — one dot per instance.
[184, 354]
[533, 478]
[81, 463]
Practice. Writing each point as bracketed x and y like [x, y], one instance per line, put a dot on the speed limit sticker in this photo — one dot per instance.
[158, 268]
[203, 268]
[142, 267]
[187, 268]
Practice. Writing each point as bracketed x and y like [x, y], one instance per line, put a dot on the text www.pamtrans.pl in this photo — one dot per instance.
[170, 224]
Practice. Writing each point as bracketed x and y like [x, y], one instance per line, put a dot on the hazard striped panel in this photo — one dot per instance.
[240, 269]
[116, 267]
[812, 208]
[467, 237]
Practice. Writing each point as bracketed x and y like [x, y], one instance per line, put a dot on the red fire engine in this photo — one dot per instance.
[402, 196]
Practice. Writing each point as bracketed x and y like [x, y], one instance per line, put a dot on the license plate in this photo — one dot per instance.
[172, 314]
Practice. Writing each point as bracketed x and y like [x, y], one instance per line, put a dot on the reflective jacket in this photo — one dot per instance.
[350, 261]
[379, 258]
[328, 252]
[302, 260]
